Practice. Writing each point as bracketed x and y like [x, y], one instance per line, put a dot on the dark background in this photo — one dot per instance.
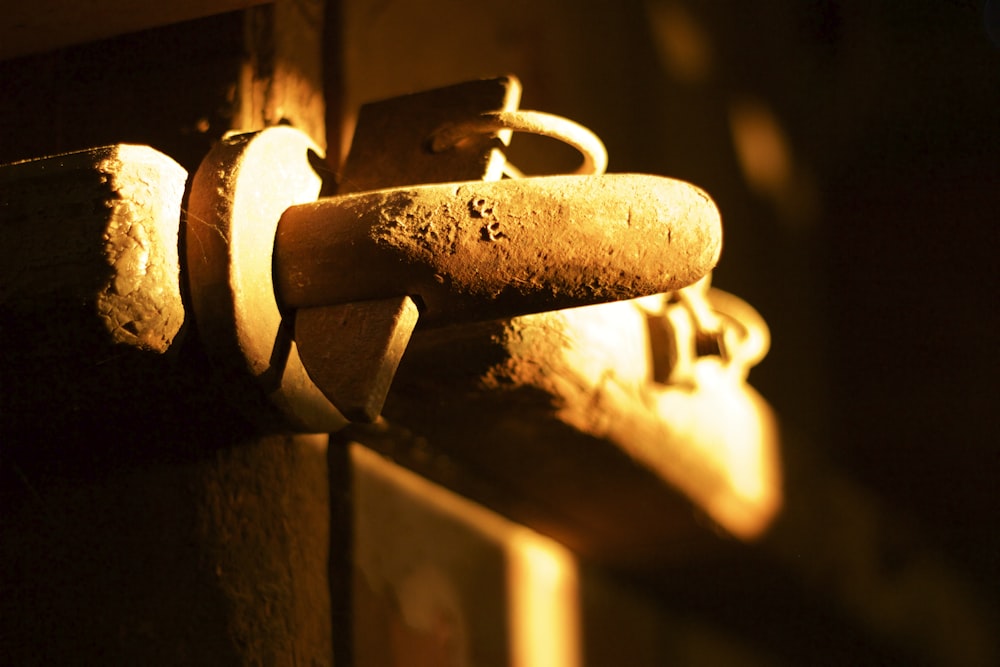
[885, 290]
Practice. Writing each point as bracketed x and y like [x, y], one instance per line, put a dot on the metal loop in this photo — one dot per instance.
[695, 299]
[595, 156]
[744, 332]
[741, 333]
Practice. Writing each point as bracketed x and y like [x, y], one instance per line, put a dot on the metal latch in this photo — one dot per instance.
[305, 304]
[313, 299]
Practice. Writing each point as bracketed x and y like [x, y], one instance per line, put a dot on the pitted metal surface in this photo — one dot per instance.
[487, 250]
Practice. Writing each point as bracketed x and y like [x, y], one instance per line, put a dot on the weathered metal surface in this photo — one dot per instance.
[560, 414]
[477, 251]
[94, 233]
[351, 350]
[237, 197]
[392, 139]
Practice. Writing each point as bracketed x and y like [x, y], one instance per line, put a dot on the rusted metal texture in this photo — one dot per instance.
[478, 251]
[96, 231]
[559, 413]
[351, 350]
[391, 137]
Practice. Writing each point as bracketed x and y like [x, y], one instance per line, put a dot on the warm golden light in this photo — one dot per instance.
[443, 581]
[703, 430]
[761, 147]
[544, 603]
[684, 48]
[735, 471]
[768, 162]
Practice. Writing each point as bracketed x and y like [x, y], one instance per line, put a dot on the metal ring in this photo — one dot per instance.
[742, 333]
[595, 156]
[237, 197]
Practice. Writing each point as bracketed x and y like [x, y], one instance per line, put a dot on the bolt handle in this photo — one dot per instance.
[489, 250]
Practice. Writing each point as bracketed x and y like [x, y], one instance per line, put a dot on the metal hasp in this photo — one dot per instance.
[261, 250]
